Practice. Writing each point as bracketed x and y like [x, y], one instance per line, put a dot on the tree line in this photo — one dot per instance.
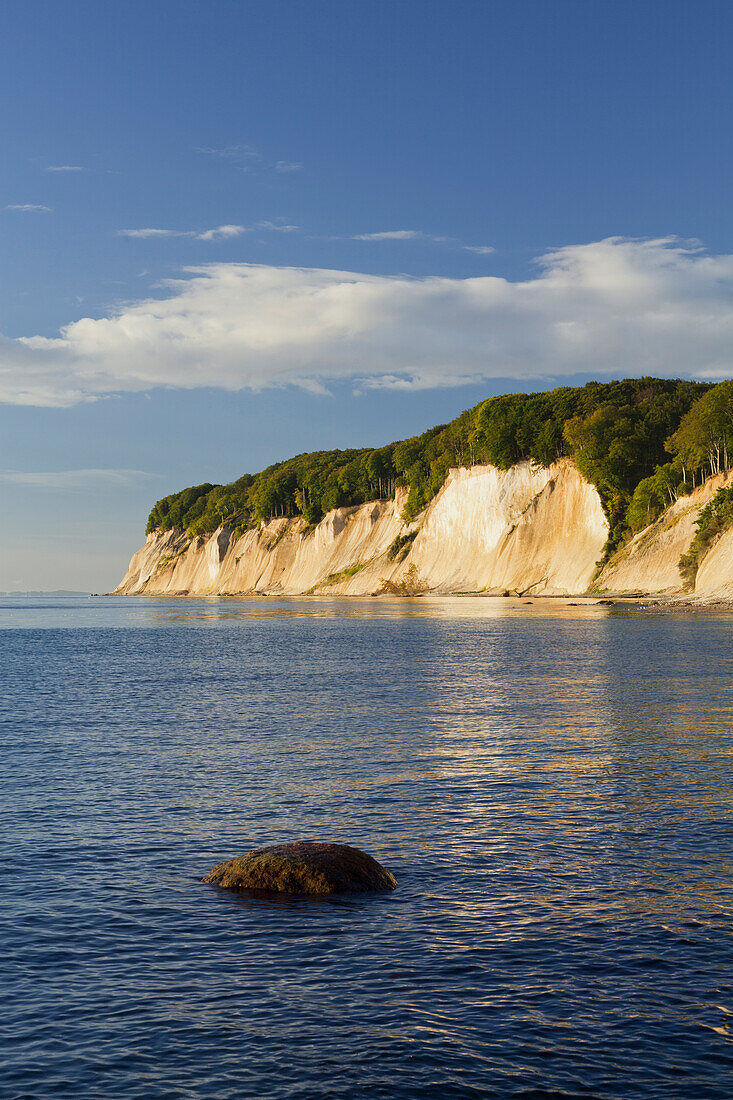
[700, 446]
[641, 442]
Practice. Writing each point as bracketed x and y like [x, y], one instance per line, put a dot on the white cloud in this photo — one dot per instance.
[220, 233]
[278, 227]
[65, 168]
[231, 152]
[403, 235]
[74, 479]
[479, 249]
[29, 207]
[248, 159]
[616, 307]
[145, 234]
[389, 235]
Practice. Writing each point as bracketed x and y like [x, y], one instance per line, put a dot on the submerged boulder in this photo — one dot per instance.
[304, 867]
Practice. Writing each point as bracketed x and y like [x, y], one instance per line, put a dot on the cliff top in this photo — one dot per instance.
[634, 439]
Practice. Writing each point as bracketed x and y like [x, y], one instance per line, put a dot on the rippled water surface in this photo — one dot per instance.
[550, 785]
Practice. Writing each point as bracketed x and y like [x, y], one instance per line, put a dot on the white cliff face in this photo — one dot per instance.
[649, 563]
[715, 571]
[524, 529]
[715, 574]
[283, 556]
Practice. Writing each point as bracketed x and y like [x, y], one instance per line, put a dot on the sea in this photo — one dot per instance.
[550, 784]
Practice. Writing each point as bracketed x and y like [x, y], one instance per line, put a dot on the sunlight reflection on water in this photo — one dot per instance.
[551, 786]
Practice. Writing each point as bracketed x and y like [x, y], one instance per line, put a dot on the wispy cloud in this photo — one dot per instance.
[231, 152]
[420, 235]
[65, 168]
[75, 479]
[145, 234]
[248, 159]
[29, 207]
[220, 233]
[278, 227]
[389, 235]
[612, 307]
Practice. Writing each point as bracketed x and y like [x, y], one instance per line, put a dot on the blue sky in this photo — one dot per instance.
[234, 231]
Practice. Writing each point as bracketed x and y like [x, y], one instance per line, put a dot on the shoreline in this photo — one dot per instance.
[642, 602]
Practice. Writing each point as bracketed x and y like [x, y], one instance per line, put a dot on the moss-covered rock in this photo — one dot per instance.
[303, 868]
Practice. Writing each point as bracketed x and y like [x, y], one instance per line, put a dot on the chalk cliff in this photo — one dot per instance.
[649, 563]
[715, 574]
[529, 528]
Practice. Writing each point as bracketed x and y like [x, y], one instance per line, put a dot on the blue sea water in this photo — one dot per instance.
[551, 786]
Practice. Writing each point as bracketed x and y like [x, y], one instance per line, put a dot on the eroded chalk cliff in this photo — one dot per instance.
[529, 528]
[715, 574]
[649, 563]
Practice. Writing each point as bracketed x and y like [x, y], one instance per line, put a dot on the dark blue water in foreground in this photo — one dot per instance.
[552, 789]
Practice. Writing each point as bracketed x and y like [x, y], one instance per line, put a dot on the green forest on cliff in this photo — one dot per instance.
[642, 442]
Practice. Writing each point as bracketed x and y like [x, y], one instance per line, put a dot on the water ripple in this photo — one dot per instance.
[552, 790]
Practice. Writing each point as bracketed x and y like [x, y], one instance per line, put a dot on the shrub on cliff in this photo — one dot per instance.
[653, 494]
[715, 518]
[411, 584]
[400, 547]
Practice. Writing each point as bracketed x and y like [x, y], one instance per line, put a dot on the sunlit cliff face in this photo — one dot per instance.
[525, 529]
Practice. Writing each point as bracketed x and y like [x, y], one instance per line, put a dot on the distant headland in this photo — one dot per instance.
[618, 487]
[37, 594]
